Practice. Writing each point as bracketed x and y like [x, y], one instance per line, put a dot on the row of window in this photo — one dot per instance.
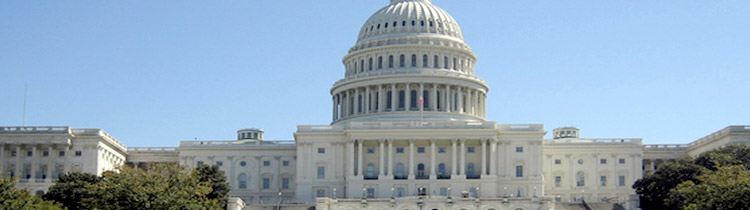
[581, 181]
[371, 150]
[601, 161]
[436, 63]
[266, 182]
[46, 153]
[413, 23]
[243, 163]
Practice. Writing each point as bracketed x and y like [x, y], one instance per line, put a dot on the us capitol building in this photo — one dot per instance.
[408, 131]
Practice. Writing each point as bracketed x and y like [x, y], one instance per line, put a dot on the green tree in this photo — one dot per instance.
[215, 177]
[728, 187]
[72, 189]
[162, 186]
[15, 199]
[725, 156]
[654, 188]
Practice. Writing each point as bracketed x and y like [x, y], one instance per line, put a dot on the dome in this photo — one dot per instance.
[409, 16]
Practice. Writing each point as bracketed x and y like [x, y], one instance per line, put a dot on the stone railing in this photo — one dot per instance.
[596, 141]
[152, 150]
[36, 130]
[665, 146]
[719, 134]
[235, 143]
[409, 71]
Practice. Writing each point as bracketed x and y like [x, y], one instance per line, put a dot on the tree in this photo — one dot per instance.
[726, 188]
[72, 190]
[654, 188]
[15, 199]
[162, 186]
[217, 180]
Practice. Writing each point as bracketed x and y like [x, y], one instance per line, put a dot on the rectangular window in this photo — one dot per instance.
[603, 161]
[400, 192]
[558, 180]
[13, 153]
[621, 181]
[199, 163]
[443, 191]
[370, 192]
[266, 163]
[470, 149]
[321, 172]
[420, 149]
[622, 160]
[370, 150]
[320, 193]
[285, 183]
[285, 163]
[558, 161]
[519, 171]
[519, 149]
[266, 183]
[603, 181]
[441, 150]
[45, 153]
[321, 150]
[400, 150]
[62, 153]
[29, 153]
[79, 153]
[219, 163]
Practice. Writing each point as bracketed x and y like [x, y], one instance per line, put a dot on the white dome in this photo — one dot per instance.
[410, 16]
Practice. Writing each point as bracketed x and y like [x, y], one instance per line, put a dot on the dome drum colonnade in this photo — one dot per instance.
[410, 57]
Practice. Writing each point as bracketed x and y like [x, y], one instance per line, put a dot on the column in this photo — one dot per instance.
[66, 162]
[356, 101]
[483, 168]
[460, 100]
[463, 157]
[350, 148]
[448, 97]
[334, 108]
[381, 167]
[366, 99]
[344, 104]
[19, 166]
[34, 163]
[380, 99]
[411, 159]
[433, 98]
[454, 169]
[469, 108]
[2, 158]
[231, 171]
[493, 157]
[394, 97]
[390, 157]
[50, 164]
[359, 158]
[421, 95]
[432, 159]
[259, 179]
[475, 103]
[407, 97]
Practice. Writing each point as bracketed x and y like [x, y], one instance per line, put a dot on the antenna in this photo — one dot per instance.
[25, 89]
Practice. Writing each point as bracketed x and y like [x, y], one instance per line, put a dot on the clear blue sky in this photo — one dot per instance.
[152, 73]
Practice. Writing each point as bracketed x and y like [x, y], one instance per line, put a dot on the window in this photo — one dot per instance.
[13, 153]
[420, 149]
[603, 161]
[401, 61]
[519, 149]
[321, 150]
[413, 60]
[79, 153]
[424, 60]
[285, 163]
[266, 183]
[558, 162]
[369, 64]
[580, 181]
[413, 102]
[436, 60]
[320, 193]
[242, 181]
[603, 181]
[370, 192]
[243, 163]
[441, 150]
[443, 191]
[321, 172]
[285, 183]
[445, 62]
[266, 163]
[61, 154]
[470, 149]
[519, 171]
[580, 161]
[470, 170]
[45, 153]
[441, 170]
[370, 150]
[399, 170]
[380, 62]
[621, 160]
[621, 181]
[401, 99]
[390, 61]
[420, 170]
[199, 163]
[399, 150]
[29, 153]
[558, 180]
[219, 163]
[400, 192]
[370, 171]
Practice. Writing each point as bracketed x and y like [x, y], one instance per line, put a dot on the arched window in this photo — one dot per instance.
[403, 23]
[425, 99]
[445, 62]
[242, 179]
[436, 62]
[380, 62]
[389, 100]
[580, 181]
[413, 60]
[441, 170]
[401, 99]
[402, 60]
[399, 170]
[420, 170]
[470, 169]
[454, 64]
[439, 104]
[390, 61]
[370, 170]
[361, 65]
[424, 60]
[369, 64]
[413, 23]
[413, 99]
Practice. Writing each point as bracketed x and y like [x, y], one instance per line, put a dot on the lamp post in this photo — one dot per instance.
[278, 205]
[393, 191]
[583, 195]
[364, 193]
[505, 194]
[535, 191]
[334, 193]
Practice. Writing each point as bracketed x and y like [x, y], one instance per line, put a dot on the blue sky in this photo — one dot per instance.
[152, 73]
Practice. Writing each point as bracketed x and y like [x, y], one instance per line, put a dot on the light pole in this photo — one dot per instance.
[364, 194]
[334, 193]
[278, 205]
[535, 191]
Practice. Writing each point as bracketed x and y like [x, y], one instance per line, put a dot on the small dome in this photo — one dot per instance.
[410, 16]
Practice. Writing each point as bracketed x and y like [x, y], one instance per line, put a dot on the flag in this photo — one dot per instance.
[421, 101]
